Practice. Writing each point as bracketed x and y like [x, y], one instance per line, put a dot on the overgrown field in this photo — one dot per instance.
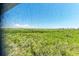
[42, 42]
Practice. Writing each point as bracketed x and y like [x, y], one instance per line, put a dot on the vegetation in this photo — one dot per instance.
[42, 42]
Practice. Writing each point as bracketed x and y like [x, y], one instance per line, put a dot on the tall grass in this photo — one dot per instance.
[42, 42]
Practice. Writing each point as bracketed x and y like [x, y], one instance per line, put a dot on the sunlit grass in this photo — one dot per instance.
[42, 42]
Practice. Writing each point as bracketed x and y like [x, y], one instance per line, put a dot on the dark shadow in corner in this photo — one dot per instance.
[4, 7]
[1, 32]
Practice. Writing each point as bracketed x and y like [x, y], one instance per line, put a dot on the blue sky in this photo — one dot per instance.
[43, 15]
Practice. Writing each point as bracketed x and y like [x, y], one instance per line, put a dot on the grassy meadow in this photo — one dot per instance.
[42, 42]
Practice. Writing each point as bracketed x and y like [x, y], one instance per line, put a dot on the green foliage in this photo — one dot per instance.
[42, 42]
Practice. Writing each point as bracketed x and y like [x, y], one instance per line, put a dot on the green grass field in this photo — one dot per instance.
[42, 42]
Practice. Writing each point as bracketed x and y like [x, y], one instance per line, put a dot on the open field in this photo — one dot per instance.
[42, 42]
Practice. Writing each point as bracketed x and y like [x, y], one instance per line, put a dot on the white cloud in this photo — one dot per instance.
[22, 26]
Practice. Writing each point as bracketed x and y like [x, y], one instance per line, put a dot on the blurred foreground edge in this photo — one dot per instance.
[4, 7]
